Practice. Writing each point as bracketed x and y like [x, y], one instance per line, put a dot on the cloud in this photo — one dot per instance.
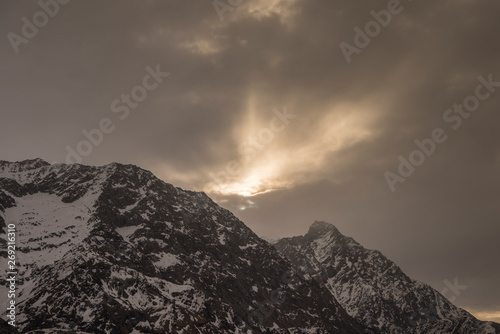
[201, 46]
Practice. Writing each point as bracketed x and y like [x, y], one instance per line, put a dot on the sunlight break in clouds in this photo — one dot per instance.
[286, 159]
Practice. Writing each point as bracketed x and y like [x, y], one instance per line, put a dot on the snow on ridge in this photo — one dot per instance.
[127, 231]
[25, 176]
[322, 247]
[48, 228]
[142, 195]
[22, 175]
[166, 260]
[222, 239]
[248, 246]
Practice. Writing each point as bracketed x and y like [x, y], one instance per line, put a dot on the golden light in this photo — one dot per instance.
[250, 187]
[259, 181]
[289, 160]
[487, 316]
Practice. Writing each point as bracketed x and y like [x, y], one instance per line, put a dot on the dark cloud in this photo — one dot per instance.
[226, 78]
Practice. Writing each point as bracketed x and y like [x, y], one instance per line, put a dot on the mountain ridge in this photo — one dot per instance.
[373, 289]
[113, 249]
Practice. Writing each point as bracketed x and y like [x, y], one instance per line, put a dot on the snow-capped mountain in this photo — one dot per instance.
[373, 289]
[113, 249]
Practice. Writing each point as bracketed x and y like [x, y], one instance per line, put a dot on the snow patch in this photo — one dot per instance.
[47, 228]
[248, 246]
[167, 260]
[127, 231]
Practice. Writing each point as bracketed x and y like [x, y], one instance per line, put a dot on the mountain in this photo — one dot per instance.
[373, 289]
[113, 249]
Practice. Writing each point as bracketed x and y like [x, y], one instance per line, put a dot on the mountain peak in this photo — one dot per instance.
[321, 228]
[27, 164]
[372, 289]
[23, 166]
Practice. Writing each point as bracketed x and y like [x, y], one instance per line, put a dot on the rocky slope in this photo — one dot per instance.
[113, 249]
[373, 289]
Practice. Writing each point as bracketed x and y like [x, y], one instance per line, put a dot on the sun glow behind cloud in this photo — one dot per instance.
[310, 147]
[295, 155]
[251, 186]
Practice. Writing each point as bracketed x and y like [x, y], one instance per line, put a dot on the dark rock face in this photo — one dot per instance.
[373, 289]
[113, 249]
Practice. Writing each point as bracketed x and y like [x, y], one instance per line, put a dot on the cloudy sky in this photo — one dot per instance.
[285, 112]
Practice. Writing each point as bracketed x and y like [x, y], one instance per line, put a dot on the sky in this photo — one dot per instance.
[380, 117]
